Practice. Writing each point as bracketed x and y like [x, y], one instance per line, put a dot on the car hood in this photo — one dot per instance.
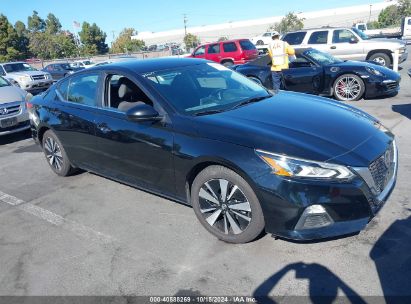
[11, 94]
[385, 40]
[301, 126]
[28, 73]
[389, 74]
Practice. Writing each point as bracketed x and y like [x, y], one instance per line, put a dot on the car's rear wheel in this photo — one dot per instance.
[381, 58]
[227, 63]
[56, 155]
[349, 87]
[226, 205]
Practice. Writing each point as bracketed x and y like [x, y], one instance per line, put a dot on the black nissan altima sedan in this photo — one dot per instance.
[299, 166]
[319, 73]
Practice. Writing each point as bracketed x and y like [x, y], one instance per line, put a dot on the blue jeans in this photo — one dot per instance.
[277, 76]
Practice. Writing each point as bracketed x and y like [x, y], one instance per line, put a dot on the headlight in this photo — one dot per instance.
[401, 50]
[374, 71]
[24, 78]
[300, 168]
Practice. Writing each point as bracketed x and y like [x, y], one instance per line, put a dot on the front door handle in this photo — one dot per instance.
[333, 47]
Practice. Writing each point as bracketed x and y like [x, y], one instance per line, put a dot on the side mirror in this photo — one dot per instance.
[143, 112]
[353, 40]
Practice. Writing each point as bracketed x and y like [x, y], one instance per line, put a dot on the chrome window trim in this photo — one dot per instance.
[365, 173]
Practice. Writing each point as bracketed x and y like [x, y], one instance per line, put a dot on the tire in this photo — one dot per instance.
[260, 42]
[227, 63]
[56, 155]
[256, 80]
[381, 58]
[238, 218]
[351, 92]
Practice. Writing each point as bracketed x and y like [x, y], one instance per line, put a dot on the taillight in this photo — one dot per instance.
[29, 105]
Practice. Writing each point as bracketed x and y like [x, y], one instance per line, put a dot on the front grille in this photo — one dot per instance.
[392, 85]
[38, 77]
[10, 109]
[382, 168]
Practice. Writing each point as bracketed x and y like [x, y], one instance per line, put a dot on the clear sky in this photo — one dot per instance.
[159, 15]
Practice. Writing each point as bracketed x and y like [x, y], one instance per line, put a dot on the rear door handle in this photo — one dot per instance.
[333, 47]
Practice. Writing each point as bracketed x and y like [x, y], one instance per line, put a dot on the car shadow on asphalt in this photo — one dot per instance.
[15, 137]
[391, 255]
[403, 109]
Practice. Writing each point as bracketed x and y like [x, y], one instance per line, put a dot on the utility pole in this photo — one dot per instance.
[369, 18]
[185, 24]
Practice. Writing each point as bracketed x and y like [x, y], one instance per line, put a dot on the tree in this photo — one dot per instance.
[124, 43]
[53, 25]
[8, 40]
[393, 14]
[93, 39]
[191, 41]
[289, 23]
[35, 23]
[23, 41]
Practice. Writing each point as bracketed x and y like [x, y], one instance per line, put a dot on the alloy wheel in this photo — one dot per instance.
[53, 153]
[348, 88]
[380, 60]
[224, 206]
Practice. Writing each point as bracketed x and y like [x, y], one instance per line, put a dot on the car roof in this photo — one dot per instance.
[151, 65]
[325, 28]
[224, 41]
[11, 62]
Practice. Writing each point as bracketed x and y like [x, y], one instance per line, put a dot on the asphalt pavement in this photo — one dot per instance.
[88, 235]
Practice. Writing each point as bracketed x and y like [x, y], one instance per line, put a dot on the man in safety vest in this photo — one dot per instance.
[279, 51]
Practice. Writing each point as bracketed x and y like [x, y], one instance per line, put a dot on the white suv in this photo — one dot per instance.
[350, 44]
[27, 77]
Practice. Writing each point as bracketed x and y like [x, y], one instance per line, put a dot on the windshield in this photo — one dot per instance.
[18, 67]
[321, 58]
[4, 82]
[203, 88]
[361, 34]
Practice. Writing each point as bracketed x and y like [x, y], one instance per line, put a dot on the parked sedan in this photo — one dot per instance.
[13, 114]
[319, 73]
[204, 135]
[60, 70]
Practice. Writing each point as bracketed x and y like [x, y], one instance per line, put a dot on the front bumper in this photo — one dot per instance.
[36, 85]
[349, 206]
[376, 87]
[18, 115]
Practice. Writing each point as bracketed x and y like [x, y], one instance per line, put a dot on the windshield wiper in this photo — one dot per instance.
[208, 112]
[251, 100]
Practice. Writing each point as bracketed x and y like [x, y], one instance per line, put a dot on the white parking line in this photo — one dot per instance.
[57, 220]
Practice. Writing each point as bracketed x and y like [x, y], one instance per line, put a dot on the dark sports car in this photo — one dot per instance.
[316, 72]
[204, 135]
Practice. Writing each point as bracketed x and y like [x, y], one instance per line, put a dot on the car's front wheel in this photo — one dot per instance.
[56, 155]
[348, 87]
[381, 58]
[226, 205]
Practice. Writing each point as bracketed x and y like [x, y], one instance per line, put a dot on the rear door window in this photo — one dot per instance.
[83, 89]
[214, 48]
[319, 37]
[229, 47]
[295, 38]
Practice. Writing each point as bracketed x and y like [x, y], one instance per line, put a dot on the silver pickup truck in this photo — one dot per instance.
[349, 44]
[27, 77]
